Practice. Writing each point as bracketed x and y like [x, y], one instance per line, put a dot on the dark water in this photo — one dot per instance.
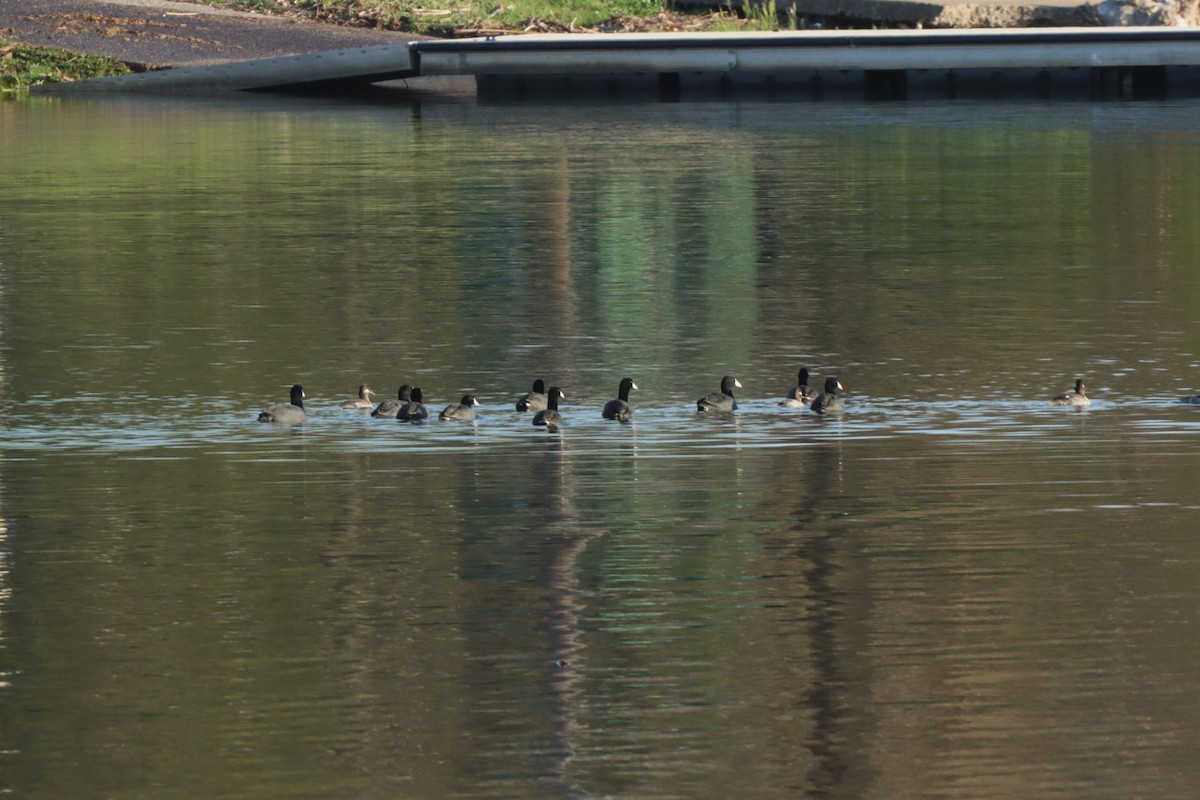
[955, 591]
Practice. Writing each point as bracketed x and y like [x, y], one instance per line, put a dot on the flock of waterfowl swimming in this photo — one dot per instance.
[543, 403]
[409, 406]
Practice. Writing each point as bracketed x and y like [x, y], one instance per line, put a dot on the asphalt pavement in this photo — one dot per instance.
[159, 33]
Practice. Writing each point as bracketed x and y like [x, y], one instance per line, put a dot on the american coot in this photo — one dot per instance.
[363, 400]
[722, 400]
[286, 413]
[414, 410]
[1192, 400]
[388, 408]
[801, 394]
[463, 410]
[828, 401]
[535, 400]
[1075, 398]
[549, 418]
[620, 409]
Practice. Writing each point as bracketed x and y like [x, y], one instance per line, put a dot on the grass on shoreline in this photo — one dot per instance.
[451, 18]
[24, 65]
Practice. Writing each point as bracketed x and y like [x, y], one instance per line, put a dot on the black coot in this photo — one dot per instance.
[620, 409]
[286, 413]
[720, 401]
[549, 418]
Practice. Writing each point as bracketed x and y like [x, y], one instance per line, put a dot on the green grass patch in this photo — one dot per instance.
[472, 17]
[22, 66]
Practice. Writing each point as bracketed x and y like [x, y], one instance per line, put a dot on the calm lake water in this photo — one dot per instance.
[955, 591]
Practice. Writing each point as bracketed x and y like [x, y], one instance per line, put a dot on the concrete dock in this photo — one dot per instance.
[1126, 62]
